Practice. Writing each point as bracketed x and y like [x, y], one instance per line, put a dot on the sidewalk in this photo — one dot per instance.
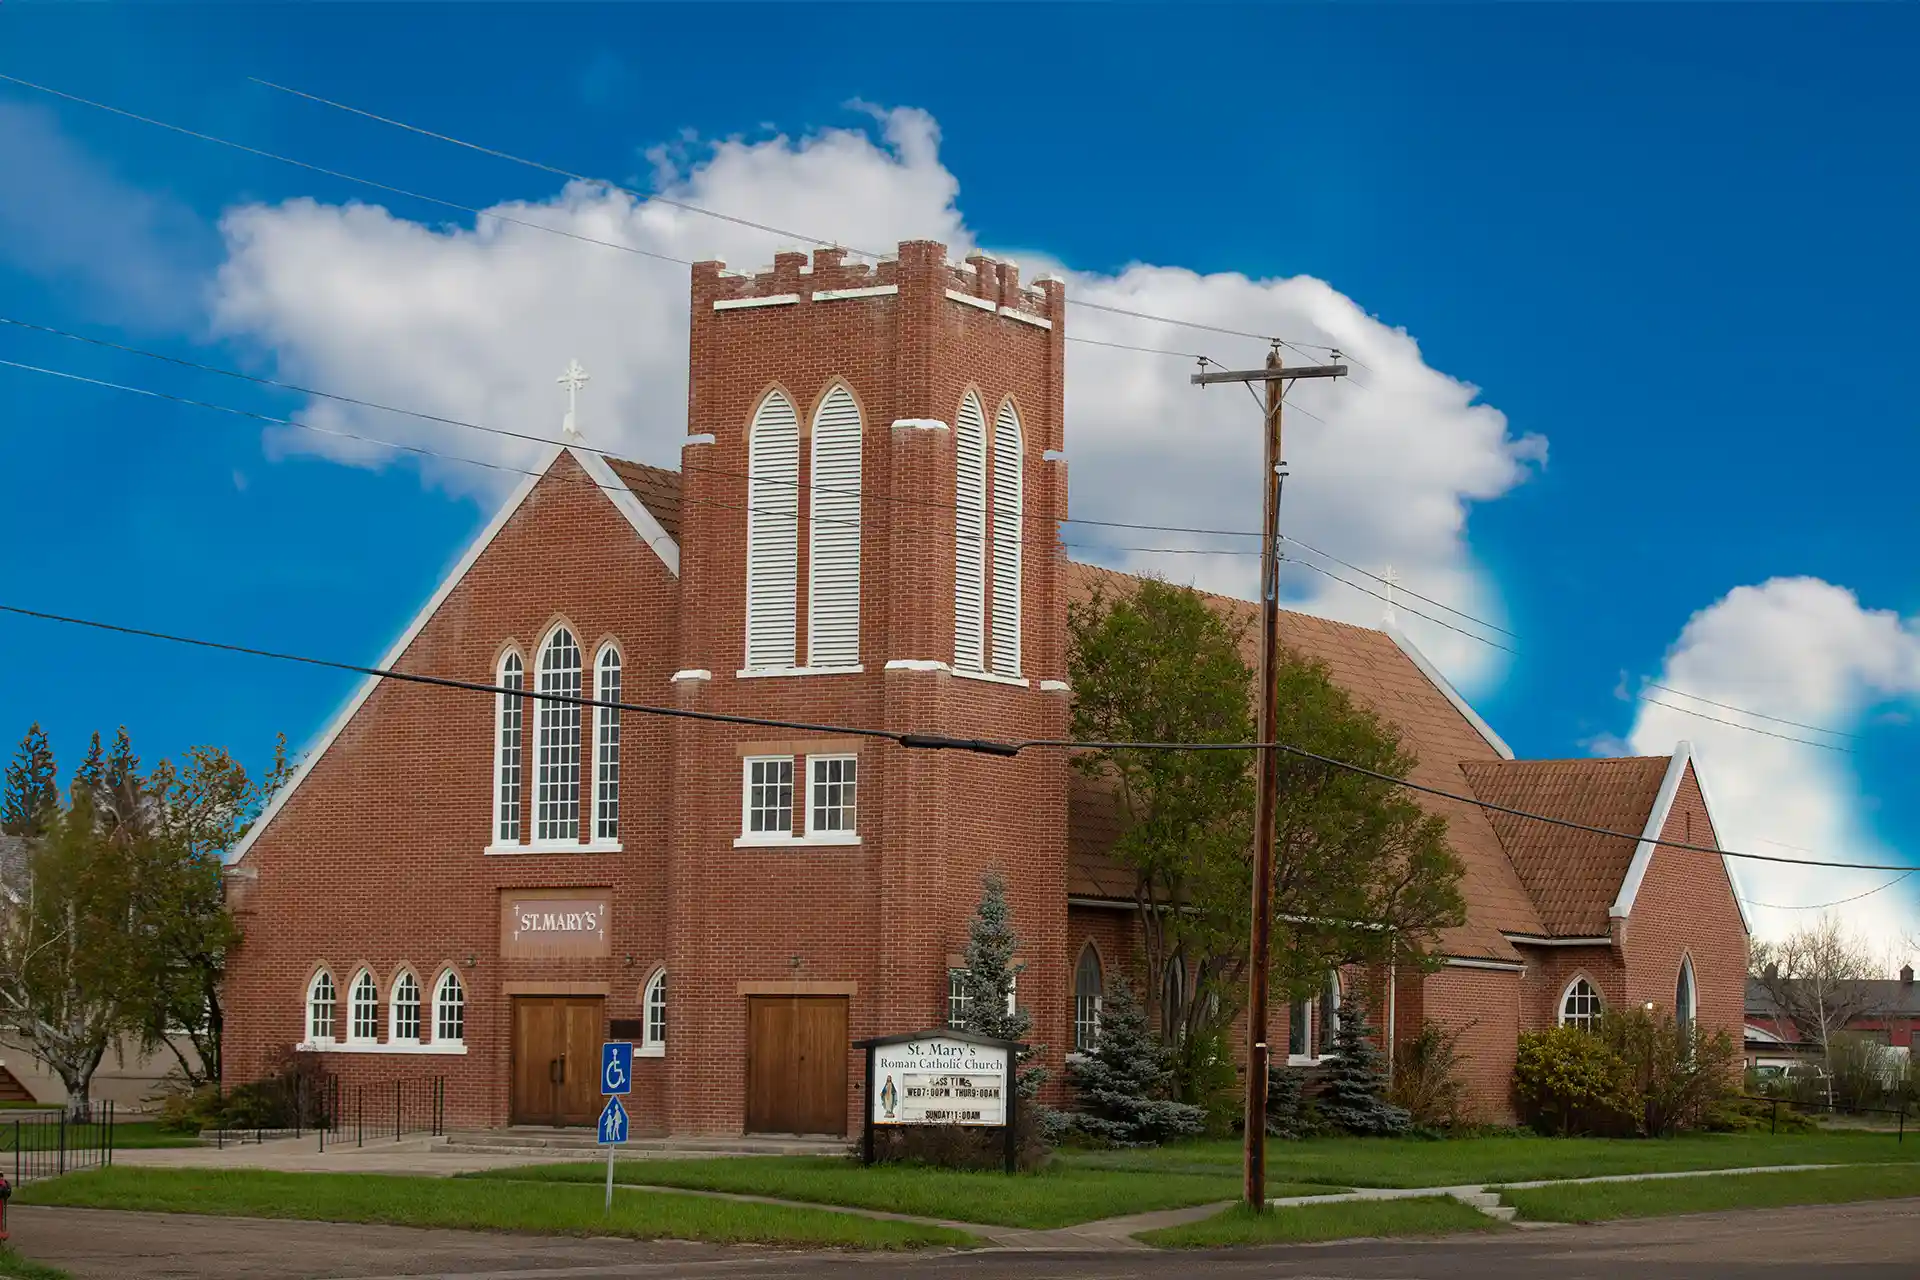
[430, 1157]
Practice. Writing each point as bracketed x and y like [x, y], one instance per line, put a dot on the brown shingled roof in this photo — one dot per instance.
[1381, 677]
[657, 488]
[1572, 875]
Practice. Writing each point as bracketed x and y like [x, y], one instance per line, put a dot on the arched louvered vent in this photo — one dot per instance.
[833, 528]
[1008, 536]
[773, 532]
[969, 535]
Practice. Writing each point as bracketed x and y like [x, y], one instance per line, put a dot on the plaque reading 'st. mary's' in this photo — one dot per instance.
[553, 924]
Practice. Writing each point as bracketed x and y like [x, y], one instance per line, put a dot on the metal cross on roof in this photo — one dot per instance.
[573, 377]
[1390, 580]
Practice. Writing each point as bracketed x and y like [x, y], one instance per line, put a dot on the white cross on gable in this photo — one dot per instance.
[573, 377]
[1387, 577]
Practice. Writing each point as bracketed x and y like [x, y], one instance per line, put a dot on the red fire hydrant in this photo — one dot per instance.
[6, 1194]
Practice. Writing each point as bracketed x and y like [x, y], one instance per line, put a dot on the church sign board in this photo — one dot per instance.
[940, 1077]
[553, 924]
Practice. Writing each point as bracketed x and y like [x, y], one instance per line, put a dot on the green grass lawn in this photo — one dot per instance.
[131, 1135]
[1601, 1201]
[1058, 1197]
[475, 1205]
[15, 1267]
[1348, 1220]
[1391, 1162]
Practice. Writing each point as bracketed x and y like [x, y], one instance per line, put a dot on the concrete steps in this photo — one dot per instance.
[1487, 1202]
[564, 1144]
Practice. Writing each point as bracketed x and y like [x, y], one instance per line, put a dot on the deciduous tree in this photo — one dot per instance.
[1821, 978]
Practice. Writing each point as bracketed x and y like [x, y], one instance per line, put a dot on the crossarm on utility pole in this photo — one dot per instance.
[1272, 373]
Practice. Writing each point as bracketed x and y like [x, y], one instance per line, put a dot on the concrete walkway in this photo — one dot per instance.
[429, 1157]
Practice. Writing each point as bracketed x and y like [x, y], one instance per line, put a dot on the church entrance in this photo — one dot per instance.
[556, 1059]
[797, 1064]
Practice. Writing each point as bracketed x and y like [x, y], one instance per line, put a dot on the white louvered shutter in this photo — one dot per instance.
[1008, 535]
[833, 528]
[969, 535]
[773, 533]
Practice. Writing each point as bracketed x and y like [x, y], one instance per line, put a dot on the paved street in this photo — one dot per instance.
[1859, 1242]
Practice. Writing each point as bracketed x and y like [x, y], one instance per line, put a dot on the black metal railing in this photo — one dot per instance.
[389, 1111]
[1831, 1109]
[45, 1144]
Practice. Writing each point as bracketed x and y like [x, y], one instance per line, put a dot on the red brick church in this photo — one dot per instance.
[483, 888]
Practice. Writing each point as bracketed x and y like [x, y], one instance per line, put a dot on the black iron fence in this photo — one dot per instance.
[45, 1144]
[363, 1113]
[1791, 1105]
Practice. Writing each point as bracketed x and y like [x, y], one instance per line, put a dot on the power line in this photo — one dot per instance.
[1821, 906]
[1727, 706]
[918, 740]
[1765, 733]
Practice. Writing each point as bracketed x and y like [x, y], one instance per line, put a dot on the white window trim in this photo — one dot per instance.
[393, 1009]
[591, 818]
[833, 837]
[748, 836]
[500, 701]
[449, 1044]
[1560, 1007]
[769, 840]
[564, 846]
[307, 1008]
[542, 708]
[402, 1047]
[762, 673]
[1320, 1053]
[648, 1046]
[352, 988]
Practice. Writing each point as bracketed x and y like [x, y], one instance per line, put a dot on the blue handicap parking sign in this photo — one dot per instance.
[613, 1123]
[616, 1067]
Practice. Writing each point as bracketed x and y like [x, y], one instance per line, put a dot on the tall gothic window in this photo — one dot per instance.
[557, 746]
[969, 536]
[1685, 1005]
[320, 1007]
[773, 533]
[653, 1004]
[1173, 993]
[363, 1007]
[1088, 992]
[406, 1009]
[506, 752]
[1008, 505]
[450, 1010]
[606, 756]
[833, 534]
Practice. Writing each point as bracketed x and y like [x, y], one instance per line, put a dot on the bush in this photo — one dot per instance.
[1290, 1113]
[1636, 1073]
[1124, 1084]
[1426, 1078]
[1568, 1081]
[1866, 1073]
[295, 1095]
[1754, 1115]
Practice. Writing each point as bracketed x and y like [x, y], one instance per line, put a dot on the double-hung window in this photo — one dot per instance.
[831, 793]
[767, 802]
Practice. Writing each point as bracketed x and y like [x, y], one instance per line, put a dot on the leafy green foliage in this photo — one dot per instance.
[1636, 1073]
[1124, 1084]
[32, 793]
[1290, 1113]
[1353, 1093]
[1426, 1077]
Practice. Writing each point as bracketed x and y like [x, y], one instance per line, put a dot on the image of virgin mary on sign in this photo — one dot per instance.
[889, 1097]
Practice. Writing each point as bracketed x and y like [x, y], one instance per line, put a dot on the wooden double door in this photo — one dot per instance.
[556, 1059]
[797, 1064]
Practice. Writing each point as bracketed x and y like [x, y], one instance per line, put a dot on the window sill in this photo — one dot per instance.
[760, 673]
[992, 677]
[763, 841]
[510, 850]
[441, 1047]
[650, 1051]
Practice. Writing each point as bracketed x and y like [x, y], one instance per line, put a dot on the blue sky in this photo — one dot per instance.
[1675, 244]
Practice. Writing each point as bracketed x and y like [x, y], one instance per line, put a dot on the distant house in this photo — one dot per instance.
[1891, 1010]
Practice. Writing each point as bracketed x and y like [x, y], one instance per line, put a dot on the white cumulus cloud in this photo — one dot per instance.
[474, 324]
[1806, 651]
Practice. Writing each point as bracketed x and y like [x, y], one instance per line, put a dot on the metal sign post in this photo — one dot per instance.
[616, 1080]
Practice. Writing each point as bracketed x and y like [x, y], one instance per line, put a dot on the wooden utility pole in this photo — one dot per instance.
[1274, 476]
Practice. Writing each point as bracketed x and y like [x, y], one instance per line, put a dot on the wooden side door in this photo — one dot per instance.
[556, 1059]
[797, 1064]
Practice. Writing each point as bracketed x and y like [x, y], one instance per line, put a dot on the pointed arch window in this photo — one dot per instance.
[405, 1024]
[969, 535]
[1685, 1001]
[773, 532]
[321, 998]
[1580, 1005]
[1008, 505]
[557, 745]
[1329, 1014]
[363, 1009]
[606, 751]
[449, 1010]
[509, 714]
[653, 1008]
[833, 534]
[1089, 990]
[1173, 994]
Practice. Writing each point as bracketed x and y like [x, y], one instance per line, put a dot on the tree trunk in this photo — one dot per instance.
[79, 1101]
